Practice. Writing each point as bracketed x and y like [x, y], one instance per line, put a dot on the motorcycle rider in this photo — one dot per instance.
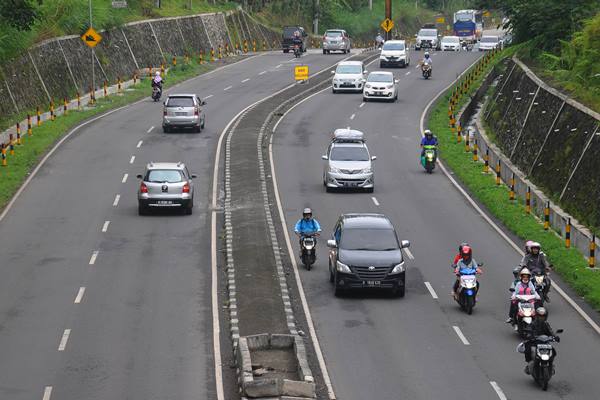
[379, 40]
[426, 61]
[523, 287]
[466, 262]
[297, 41]
[307, 225]
[537, 263]
[158, 81]
[458, 256]
[429, 139]
[540, 326]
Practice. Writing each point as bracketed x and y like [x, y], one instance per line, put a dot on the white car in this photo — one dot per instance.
[394, 53]
[349, 76]
[450, 43]
[381, 85]
[489, 43]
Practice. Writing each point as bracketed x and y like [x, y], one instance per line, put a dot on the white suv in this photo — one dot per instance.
[394, 53]
[349, 75]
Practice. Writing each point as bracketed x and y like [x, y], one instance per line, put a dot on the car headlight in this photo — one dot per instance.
[389, 86]
[398, 269]
[367, 170]
[343, 268]
[334, 170]
[368, 86]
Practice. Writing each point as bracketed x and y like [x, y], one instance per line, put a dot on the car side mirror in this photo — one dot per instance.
[373, 158]
[194, 176]
[331, 243]
[333, 72]
[396, 80]
[365, 71]
[324, 157]
[559, 330]
[405, 244]
[203, 103]
[139, 176]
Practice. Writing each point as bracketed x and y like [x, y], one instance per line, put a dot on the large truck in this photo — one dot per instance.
[468, 25]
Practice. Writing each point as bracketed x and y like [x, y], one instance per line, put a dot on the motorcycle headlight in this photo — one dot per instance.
[398, 269]
[341, 267]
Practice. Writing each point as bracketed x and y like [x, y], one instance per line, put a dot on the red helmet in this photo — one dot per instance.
[466, 252]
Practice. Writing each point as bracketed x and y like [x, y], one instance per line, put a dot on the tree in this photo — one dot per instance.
[19, 14]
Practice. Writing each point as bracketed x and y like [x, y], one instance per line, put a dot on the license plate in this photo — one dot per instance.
[164, 202]
[378, 93]
[333, 42]
[372, 283]
[181, 114]
[351, 184]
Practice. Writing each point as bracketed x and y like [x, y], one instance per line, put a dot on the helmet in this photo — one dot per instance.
[463, 244]
[525, 272]
[426, 54]
[533, 245]
[428, 133]
[466, 251]
[297, 33]
[541, 312]
[528, 245]
[306, 211]
[157, 73]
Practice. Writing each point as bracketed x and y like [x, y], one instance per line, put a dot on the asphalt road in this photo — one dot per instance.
[377, 347]
[97, 302]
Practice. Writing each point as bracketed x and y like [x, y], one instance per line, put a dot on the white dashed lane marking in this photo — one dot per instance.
[80, 294]
[105, 226]
[352, 116]
[93, 257]
[245, 80]
[150, 129]
[278, 66]
[409, 253]
[460, 335]
[47, 393]
[408, 73]
[139, 144]
[63, 341]
[116, 202]
[430, 288]
[262, 73]
[375, 201]
[132, 159]
[125, 176]
[498, 390]
[227, 88]
[361, 105]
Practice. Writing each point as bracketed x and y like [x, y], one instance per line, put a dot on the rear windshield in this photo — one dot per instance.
[341, 153]
[348, 69]
[489, 39]
[393, 46]
[369, 239]
[288, 31]
[380, 78]
[428, 32]
[451, 39]
[164, 176]
[333, 33]
[180, 102]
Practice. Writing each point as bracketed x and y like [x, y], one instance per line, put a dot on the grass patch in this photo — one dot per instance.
[570, 264]
[28, 155]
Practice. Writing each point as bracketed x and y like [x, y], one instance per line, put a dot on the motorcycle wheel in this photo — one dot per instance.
[469, 305]
[429, 168]
[545, 378]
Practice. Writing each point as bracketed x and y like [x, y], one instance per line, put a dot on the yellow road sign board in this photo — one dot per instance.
[487, 13]
[91, 37]
[387, 24]
[440, 20]
[301, 72]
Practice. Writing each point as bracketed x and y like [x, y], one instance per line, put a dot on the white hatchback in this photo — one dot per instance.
[450, 43]
[381, 85]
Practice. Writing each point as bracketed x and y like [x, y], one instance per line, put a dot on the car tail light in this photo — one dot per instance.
[164, 112]
[143, 188]
[186, 188]
[196, 112]
[324, 38]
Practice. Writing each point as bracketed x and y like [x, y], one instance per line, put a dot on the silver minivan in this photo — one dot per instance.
[183, 111]
[336, 40]
[348, 163]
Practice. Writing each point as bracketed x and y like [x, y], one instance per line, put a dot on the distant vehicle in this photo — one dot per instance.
[428, 26]
[381, 85]
[183, 111]
[394, 53]
[348, 162]
[349, 76]
[451, 43]
[166, 185]
[366, 253]
[336, 40]
[489, 43]
[468, 25]
[427, 39]
[287, 39]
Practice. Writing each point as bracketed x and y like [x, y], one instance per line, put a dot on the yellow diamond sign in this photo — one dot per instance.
[301, 72]
[387, 24]
[91, 37]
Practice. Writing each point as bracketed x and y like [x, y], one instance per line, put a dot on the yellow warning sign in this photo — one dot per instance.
[387, 24]
[440, 20]
[91, 37]
[487, 13]
[301, 72]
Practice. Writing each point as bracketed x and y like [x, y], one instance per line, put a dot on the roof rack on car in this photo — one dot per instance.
[347, 135]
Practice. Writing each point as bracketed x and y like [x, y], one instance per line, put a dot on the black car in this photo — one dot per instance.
[287, 40]
[366, 253]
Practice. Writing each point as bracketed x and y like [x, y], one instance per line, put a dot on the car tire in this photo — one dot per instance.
[381, 65]
[370, 190]
[365, 99]
[400, 292]
[328, 189]
[331, 276]
[166, 129]
[337, 292]
[324, 51]
[142, 209]
[189, 210]
[203, 123]
[198, 129]
[286, 50]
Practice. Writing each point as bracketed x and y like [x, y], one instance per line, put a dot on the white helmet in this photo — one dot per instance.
[426, 54]
[525, 271]
[307, 210]
[157, 73]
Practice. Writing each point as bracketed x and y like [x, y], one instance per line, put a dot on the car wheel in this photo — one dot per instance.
[142, 209]
[380, 65]
[400, 292]
[166, 129]
[198, 128]
[370, 190]
[331, 276]
[189, 210]
[203, 123]
[337, 292]
[324, 51]
[328, 189]
[333, 90]
[365, 99]
[286, 50]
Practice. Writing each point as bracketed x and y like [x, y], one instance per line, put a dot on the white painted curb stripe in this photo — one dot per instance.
[430, 288]
[498, 390]
[460, 335]
[132, 160]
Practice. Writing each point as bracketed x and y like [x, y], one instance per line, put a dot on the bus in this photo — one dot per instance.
[468, 25]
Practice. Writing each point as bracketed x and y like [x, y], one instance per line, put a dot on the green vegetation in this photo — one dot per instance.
[569, 263]
[28, 22]
[34, 147]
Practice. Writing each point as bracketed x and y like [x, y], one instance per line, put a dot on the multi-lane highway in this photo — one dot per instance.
[422, 346]
[97, 302]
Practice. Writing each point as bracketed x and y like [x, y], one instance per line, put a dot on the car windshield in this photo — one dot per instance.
[164, 176]
[369, 239]
[380, 78]
[348, 69]
[489, 39]
[393, 46]
[428, 32]
[288, 31]
[180, 102]
[452, 39]
[333, 34]
[347, 153]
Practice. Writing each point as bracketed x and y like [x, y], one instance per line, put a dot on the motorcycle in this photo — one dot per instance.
[541, 368]
[466, 295]
[297, 51]
[428, 158]
[308, 254]
[156, 92]
[426, 69]
[525, 315]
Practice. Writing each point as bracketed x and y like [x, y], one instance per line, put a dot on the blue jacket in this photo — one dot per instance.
[305, 227]
[429, 142]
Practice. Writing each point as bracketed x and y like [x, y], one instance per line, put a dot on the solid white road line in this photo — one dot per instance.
[352, 116]
[125, 176]
[498, 390]
[64, 340]
[93, 257]
[105, 226]
[500, 232]
[245, 80]
[361, 105]
[116, 202]
[409, 253]
[132, 159]
[80, 294]
[150, 129]
[297, 104]
[375, 201]
[227, 88]
[460, 335]
[139, 144]
[430, 288]
[262, 73]
[47, 393]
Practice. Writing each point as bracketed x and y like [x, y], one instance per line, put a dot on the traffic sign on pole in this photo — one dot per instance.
[301, 72]
[387, 24]
[91, 37]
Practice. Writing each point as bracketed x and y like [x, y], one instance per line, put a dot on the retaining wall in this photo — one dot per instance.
[61, 67]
